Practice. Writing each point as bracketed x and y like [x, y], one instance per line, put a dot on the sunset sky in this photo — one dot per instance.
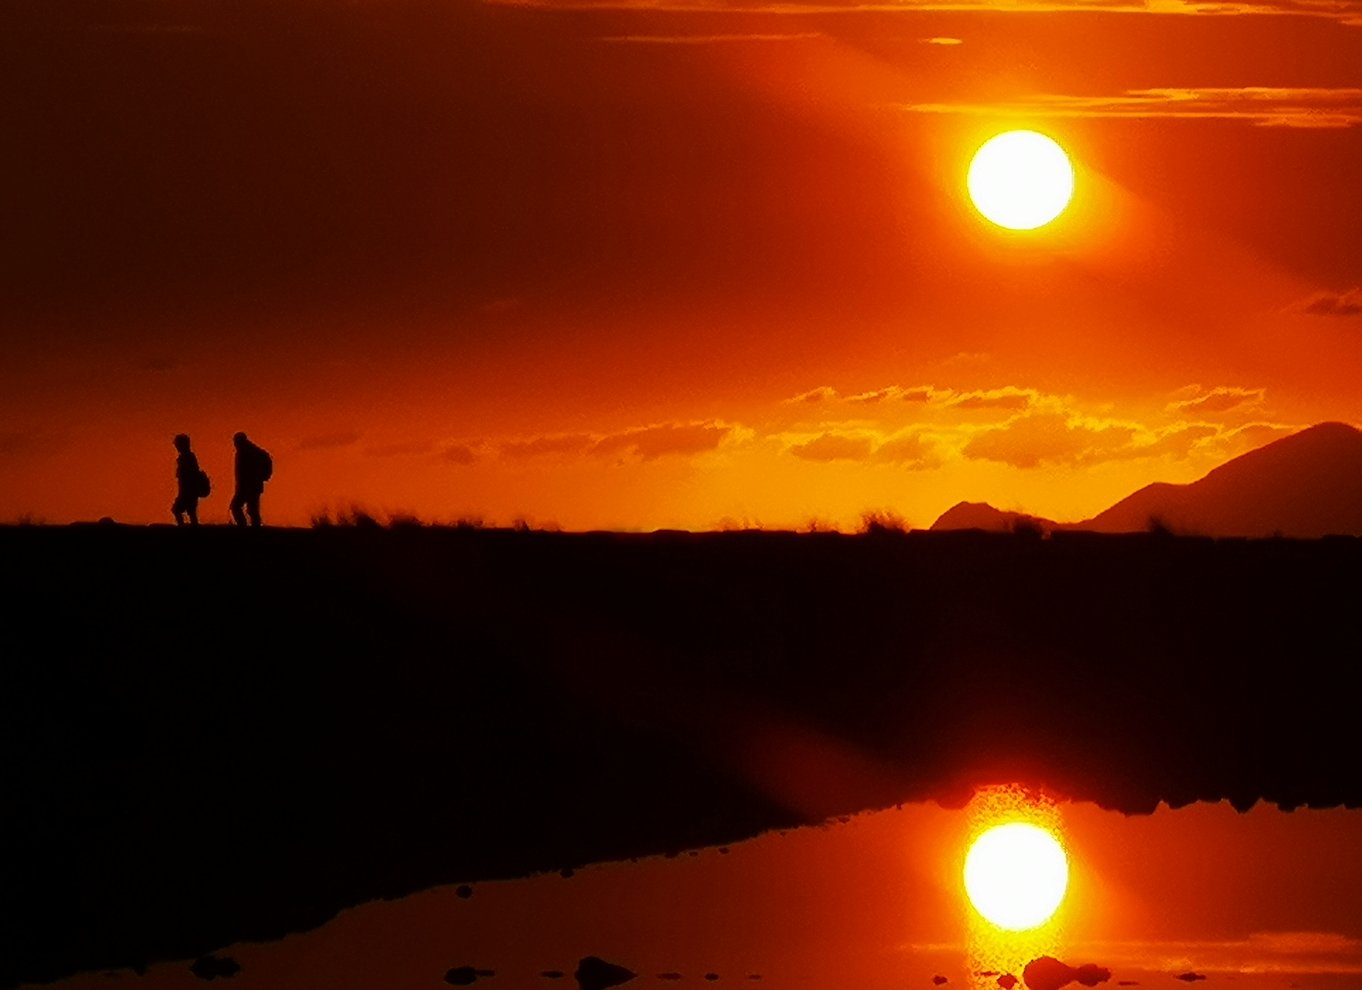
[665, 263]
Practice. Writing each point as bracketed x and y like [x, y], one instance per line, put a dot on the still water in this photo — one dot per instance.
[1201, 894]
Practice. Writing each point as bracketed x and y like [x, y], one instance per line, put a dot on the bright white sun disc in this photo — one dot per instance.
[1020, 180]
[1016, 875]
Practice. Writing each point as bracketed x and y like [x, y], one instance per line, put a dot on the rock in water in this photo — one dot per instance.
[594, 973]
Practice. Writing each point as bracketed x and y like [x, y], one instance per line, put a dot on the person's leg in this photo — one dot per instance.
[253, 509]
[238, 500]
[191, 509]
[177, 507]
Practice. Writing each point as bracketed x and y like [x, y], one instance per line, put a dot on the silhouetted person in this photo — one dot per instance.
[190, 482]
[253, 468]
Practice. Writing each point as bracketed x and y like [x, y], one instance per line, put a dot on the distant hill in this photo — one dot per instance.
[981, 515]
[1308, 484]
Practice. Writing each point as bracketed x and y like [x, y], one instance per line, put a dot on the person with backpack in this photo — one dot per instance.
[254, 467]
[191, 483]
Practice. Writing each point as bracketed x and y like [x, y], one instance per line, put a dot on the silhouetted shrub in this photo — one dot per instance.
[882, 523]
[1028, 527]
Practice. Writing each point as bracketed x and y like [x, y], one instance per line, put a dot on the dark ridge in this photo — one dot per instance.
[197, 726]
[1306, 485]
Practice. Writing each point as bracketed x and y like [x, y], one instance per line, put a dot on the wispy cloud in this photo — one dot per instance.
[325, 441]
[919, 393]
[823, 393]
[400, 448]
[1260, 106]
[911, 450]
[644, 442]
[1221, 399]
[1050, 438]
[1348, 303]
[650, 442]
[834, 447]
[1009, 397]
[558, 443]
[459, 453]
[903, 393]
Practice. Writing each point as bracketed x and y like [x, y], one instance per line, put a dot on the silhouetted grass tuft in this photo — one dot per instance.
[355, 517]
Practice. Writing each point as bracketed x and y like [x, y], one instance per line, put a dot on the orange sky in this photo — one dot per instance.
[665, 264]
[1264, 900]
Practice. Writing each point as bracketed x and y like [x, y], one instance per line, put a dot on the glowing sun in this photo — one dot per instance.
[1020, 180]
[1016, 875]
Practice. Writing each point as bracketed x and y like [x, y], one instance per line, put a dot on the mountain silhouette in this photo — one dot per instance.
[981, 515]
[1308, 484]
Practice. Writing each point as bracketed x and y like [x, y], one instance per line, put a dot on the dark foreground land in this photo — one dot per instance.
[221, 735]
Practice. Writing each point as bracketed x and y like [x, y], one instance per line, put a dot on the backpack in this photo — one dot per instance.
[202, 486]
[266, 465]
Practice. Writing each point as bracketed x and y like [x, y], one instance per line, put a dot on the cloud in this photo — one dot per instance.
[459, 453]
[645, 442]
[1178, 441]
[1008, 397]
[1049, 438]
[651, 442]
[562, 443]
[400, 449]
[910, 450]
[942, 41]
[827, 395]
[917, 393]
[1221, 399]
[834, 447]
[1019, 426]
[1253, 435]
[323, 441]
[1260, 106]
[823, 393]
[1347, 303]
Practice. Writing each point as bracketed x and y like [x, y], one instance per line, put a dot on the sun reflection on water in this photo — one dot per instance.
[995, 953]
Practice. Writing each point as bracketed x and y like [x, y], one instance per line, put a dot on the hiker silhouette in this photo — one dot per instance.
[253, 468]
[190, 482]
